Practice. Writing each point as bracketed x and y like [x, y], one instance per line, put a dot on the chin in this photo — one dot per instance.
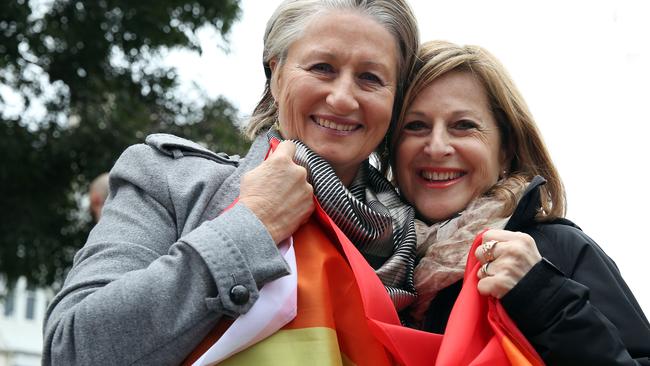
[440, 215]
[335, 159]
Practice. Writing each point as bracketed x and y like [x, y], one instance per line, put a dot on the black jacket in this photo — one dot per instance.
[573, 306]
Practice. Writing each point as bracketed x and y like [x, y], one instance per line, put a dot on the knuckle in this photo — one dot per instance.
[525, 237]
[507, 251]
[484, 286]
[302, 172]
[286, 159]
[515, 250]
[478, 253]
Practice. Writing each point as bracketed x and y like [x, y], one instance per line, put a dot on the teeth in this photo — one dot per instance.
[335, 126]
[428, 175]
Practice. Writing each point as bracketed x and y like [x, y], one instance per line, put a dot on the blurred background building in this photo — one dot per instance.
[21, 318]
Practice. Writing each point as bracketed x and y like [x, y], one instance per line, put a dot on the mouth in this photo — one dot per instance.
[441, 178]
[336, 126]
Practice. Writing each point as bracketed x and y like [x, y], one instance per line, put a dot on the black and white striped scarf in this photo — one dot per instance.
[372, 216]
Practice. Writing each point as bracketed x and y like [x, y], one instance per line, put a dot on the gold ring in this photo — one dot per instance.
[488, 250]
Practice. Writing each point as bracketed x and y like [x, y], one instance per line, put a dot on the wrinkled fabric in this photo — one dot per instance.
[443, 247]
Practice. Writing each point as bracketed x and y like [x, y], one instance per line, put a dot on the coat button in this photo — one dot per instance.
[239, 294]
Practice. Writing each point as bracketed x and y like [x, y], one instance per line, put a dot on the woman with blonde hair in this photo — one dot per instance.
[467, 154]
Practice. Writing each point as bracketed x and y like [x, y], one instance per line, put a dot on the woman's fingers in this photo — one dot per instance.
[496, 285]
[278, 193]
[487, 252]
[505, 258]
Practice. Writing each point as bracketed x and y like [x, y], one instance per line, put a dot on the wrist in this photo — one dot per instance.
[260, 209]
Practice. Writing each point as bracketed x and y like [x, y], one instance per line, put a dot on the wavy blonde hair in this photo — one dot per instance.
[292, 16]
[520, 136]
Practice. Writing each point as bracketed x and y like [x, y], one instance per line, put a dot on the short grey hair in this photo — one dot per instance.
[291, 18]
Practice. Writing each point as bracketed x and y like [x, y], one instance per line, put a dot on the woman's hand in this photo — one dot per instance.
[506, 257]
[278, 193]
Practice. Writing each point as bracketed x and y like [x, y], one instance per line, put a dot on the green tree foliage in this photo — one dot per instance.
[86, 80]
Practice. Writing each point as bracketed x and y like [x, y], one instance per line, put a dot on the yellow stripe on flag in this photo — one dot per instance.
[306, 346]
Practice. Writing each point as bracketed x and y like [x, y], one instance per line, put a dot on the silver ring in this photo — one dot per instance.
[484, 269]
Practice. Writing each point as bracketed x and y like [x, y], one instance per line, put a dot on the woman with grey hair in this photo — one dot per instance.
[188, 236]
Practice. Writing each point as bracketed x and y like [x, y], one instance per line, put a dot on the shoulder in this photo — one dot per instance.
[559, 234]
[176, 147]
[164, 151]
[566, 245]
[165, 162]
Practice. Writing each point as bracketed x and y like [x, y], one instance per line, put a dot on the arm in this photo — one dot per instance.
[588, 316]
[139, 294]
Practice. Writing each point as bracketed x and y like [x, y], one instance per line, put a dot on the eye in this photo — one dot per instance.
[370, 77]
[322, 68]
[415, 126]
[465, 124]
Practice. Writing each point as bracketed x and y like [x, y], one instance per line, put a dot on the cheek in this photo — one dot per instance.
[486, 167]
[483, 180]
[289, 114]
[376, 107]
[380, 110]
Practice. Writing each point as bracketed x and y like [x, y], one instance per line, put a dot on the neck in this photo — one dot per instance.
[346, 177]
[430, 222]
[348, 173]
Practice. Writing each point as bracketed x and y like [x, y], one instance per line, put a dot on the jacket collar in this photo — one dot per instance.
[528, 206]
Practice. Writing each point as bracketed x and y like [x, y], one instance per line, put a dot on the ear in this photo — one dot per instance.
[275, 70]
[95, 198]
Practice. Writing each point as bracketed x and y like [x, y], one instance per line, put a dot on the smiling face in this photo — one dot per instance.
[336, 88]
[449, 147]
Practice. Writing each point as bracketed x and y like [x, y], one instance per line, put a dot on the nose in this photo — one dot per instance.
[342, 95]
[439, 144]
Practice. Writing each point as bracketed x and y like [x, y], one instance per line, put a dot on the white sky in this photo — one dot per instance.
[583, 67]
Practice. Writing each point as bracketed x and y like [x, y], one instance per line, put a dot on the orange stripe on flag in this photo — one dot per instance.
[328, 295]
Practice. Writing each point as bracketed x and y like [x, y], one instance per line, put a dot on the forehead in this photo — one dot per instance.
[347, 33]
[454, 89]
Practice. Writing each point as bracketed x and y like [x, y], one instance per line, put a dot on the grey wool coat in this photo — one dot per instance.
[164, 264]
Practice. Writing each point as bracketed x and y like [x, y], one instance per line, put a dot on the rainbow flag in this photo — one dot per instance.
[345, 317]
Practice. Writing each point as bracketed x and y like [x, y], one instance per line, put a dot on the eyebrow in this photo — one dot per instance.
[466, 112]
[416, 114]
[320, 53]
[377, 65]
[454, 114]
